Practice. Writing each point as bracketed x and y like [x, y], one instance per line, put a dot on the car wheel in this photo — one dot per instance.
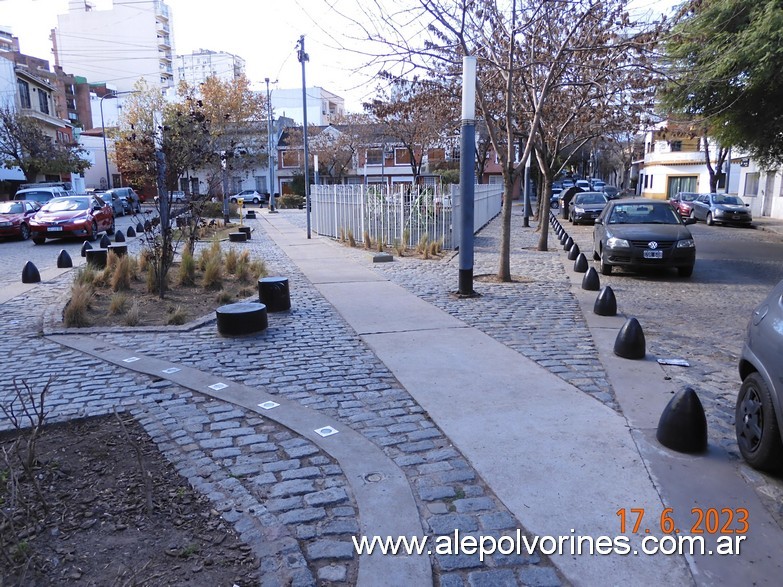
[710, 221]
[603, 266]
[39, 240]
[692, 215]
[233, 200]
[758, 435]
[685, 271]
[256, 200]
[24, 231]
[93, 231]
[111, 230]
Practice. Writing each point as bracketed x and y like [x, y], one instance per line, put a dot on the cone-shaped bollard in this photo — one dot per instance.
[573, 252]
[605, 303]
[590, 281]
[130, 232]
[563, 237]
[86, 247]
[119, 237]
[105, 241]
[30, 273]
[683, 425]
[569, 242]
[630, 343]
[139, 227]
[64, 260]
[580, 265]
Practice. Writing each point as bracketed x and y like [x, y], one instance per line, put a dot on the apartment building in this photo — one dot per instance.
[323, 107]
[130, 41]
[196, 67]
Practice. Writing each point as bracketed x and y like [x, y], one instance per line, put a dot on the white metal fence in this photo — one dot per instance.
[402, 213]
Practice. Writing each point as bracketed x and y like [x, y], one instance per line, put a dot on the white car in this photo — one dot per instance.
[249, 196]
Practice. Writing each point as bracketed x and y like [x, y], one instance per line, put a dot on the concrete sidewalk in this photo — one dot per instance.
[562, 462]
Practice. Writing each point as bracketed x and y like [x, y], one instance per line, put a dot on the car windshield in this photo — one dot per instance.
[590, 199]
[688, 197]
[11, 208]
[643, 214]
[66, 205]
[730, 200]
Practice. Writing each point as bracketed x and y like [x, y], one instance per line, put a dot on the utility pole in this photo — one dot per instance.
[467, 176]
[270, 147]
[303, 58]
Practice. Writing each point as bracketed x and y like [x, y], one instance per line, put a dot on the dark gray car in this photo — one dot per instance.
[587, 206]
[759, 417]
[639, 234]
[721, 209]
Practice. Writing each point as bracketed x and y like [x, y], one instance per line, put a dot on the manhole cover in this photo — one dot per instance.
[373, 477]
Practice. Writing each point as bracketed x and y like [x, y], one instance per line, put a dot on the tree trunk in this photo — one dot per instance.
[504, 269]
[543, 219]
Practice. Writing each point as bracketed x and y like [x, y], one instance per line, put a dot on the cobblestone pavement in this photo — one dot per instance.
[287, 499]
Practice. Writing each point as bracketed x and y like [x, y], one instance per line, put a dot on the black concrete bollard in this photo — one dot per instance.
[105, 241]
[237, 237]
[605, 303]
[569, 242]
[30, 273]
[64, 260]
[564, 237]
[241, 318]
[573, 252]
[251, 214]
[683, 425]
[119, 249]
[273, 292]
[119, 237]
[97, 258]
[630, 343]
[590, 281]
[580, 265]
[86, 247]
[246, 230]
[139, 227]
[130, 232]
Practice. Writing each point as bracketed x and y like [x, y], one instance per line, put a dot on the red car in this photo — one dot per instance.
[72, 216]
[683, 202]
[15, 218]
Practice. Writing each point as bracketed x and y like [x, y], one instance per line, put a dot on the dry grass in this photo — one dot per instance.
[133, 315]
[177, 316]
[213, 274]
[122, 273]
[231, 261]
[187, 269]
[76, 312]
[118, 303]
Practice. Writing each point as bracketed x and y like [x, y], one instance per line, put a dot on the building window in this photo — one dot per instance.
[374, 157]
[436, 155]
[24, 93]
[752, 184]
[402, 157]
[686, 183]
[43, 101]
[675, 146]
[290, 158]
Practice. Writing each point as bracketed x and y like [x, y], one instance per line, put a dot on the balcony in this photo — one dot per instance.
[164, 41]
[675, 158]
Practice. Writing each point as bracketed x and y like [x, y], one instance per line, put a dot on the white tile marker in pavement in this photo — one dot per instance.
[562, 462]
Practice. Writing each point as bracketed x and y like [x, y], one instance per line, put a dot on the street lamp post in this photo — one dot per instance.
[270, 147]
[303, 58]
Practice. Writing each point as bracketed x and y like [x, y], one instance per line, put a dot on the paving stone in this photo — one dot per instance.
[539, 577]
[293, 487]
[436, 492]
[503, 578]
[497, 521]
[474, 504]
[447, 523]
[330, 549]
[333, 572]
[326, 497]
[341, 526]
[299, 516]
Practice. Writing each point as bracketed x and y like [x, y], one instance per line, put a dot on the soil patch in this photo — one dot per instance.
[107, 508]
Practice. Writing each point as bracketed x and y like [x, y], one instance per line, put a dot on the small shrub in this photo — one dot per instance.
[290, 201]
[187, 269]
[341, 238]
[176, 316]
[257, 269]
[85, 276]
[215, 210]
[244, 257]
[367, 240]
[242, 271]
[379, 245]
[398, 247]
[121, 278]
[433, 248]
[152, 281]
[223, 297]
[246, 292]
[213, 275]
[423, 245]
[144, 260]
[112, 259]
[117, 304]
[75, 313]
[351, 239]
[232, 260]
[133, 315]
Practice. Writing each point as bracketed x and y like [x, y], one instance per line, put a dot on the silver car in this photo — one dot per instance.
[758, 412]
[721, 209]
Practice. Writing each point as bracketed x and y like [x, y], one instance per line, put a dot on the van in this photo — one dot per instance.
[40, 195]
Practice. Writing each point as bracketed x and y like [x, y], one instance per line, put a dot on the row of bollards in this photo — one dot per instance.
[243, 318]
[683, 424]
[95, 257]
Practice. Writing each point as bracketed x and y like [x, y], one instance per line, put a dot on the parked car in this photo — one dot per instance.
[586, 207]
[722, 209]
[639, 234]
[598, 185]
[584, 184]
[759, 408]
[249, 196]
[611, 192]
[114, 201]
[683, 202]
[40, 195]
[554, 198]
[72, 216]
[128, 197]
[15, 218]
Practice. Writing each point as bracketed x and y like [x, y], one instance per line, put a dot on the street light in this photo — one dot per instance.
[111, 95]
[269, 147]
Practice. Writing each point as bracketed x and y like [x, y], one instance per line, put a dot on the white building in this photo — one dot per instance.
[761, 188]
[132, 40]
[196, 67]
[322, 106]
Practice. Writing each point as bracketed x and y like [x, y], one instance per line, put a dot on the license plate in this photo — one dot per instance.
[54, 228]
[648, 254]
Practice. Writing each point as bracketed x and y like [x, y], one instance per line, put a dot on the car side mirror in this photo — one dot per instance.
[598, 221]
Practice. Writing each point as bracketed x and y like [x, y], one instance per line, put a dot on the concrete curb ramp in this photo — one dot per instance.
[386, 507]
[563, 463]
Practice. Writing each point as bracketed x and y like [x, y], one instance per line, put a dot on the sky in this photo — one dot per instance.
[262, 32]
